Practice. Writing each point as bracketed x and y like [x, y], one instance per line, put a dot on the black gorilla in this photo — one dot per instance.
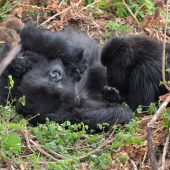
[134, 67]
[62, 79]
[38, 44]
[52, 93]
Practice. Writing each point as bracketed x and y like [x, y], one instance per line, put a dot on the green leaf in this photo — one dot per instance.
[15, 126]
[12, 142]
[11, 81]
[116, 144]
[139, 109]
[22, 100]
[122, 159]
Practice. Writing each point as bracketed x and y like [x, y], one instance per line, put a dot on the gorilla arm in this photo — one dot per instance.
[51, 44]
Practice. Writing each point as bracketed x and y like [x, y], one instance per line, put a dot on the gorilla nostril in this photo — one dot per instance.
[56, 74]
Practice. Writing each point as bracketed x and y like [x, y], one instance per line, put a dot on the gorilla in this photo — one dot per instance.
[61, 76]
[134, 69]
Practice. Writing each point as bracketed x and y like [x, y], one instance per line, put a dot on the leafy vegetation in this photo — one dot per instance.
[166, 117]
[112, 26]
[72, 142]
[139, 8]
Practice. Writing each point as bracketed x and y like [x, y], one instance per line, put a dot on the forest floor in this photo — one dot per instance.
[51, 146]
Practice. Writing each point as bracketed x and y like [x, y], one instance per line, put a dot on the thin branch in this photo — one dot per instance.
[42, 150]
[131, 13]
[54, 16]
[133, 164]
[159, 112]
[25, 133]
[165, 151]
[58, 155]
[57, 14]
[164, 50]
[98, 149]
[144, 158]
[136, 13]
[150, 125]
[101, 146]
[90, 5]
[151, 151]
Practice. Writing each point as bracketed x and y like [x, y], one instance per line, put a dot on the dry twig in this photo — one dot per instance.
[133, 164]
[38, 147]
[54, 16]
[163, 50]
[131, 13]
[101, 146]
[150, 125]
[165, 151]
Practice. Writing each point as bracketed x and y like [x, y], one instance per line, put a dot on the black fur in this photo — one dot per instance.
[62, 78]
[61, 98]
[134, 67]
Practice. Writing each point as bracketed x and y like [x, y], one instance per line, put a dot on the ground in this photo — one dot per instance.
[53, 146]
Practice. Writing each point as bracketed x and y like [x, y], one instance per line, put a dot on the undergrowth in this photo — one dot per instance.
[72, 145]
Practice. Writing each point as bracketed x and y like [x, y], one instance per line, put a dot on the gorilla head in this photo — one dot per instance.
[48, 86]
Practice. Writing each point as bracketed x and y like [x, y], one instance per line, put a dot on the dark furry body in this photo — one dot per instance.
[63, 80]
[134, 67]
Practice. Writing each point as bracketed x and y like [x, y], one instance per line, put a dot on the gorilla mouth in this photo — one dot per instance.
[55, 84]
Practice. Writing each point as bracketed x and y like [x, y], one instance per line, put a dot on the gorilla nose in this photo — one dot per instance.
[56, 74]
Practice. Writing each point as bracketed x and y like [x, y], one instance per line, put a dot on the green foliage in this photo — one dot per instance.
[11, 144]
[52, 135]
[11, 82]
[6, 9]
[149, 109]
[168, 70]
[32, 13]
[101, 161]
[6, 113]
[122, 159]
[166, 117]
[139, 109]
[10, 86]
[87, 2]
[112, 26]
[138, 7]
[63, 165]
[125, 138]
[10, 140]
[132, 127]
[69, 140]
[22, 100]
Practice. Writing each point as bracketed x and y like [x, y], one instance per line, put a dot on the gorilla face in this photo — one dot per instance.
[49, 77]
[55, 74]
[47, 88]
